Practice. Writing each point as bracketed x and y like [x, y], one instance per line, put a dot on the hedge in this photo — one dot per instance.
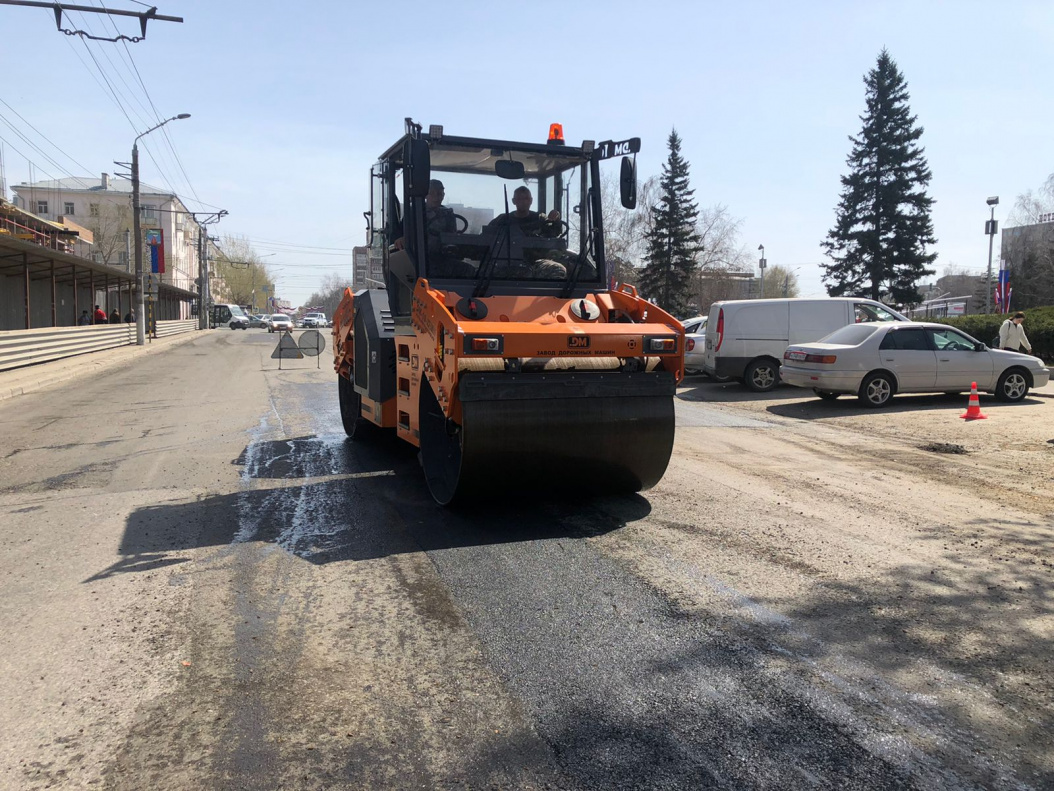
[1039, 327]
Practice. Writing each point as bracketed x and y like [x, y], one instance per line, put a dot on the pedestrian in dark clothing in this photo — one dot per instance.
[115, 317]
[85, 319]
[129, 318]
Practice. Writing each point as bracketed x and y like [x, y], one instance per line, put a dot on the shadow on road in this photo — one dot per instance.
[848, 406]
[327, 499]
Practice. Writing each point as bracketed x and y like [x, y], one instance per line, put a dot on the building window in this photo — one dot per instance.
[68, 208]
[122, 258]
[42, 207]
[148, 211]
[93, 209]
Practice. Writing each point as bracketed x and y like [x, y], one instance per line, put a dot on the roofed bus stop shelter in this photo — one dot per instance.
[43, 283]
[45, 287]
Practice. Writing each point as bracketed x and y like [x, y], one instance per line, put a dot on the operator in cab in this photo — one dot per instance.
[532, 223]
[536, 264]
[438, 218]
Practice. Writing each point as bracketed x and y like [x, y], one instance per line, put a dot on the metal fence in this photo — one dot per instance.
[28, 347]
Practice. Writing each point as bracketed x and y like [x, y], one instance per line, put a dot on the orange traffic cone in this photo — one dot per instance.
[973, 409]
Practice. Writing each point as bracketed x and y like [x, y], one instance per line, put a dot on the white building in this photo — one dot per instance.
[104, 206]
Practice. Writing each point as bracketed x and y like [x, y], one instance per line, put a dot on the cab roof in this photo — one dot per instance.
[452, 154]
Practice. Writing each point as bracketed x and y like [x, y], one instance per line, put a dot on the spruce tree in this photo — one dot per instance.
[673, 242]
[882, 225]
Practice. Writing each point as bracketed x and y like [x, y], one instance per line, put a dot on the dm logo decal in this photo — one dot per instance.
[578, 342]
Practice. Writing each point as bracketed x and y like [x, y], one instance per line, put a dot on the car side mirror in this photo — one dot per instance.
[980, 347]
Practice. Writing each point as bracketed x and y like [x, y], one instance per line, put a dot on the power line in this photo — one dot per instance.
[46, 138]
[157, 115]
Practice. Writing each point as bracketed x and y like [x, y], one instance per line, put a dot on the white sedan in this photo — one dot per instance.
[876, 360]
[694, 344]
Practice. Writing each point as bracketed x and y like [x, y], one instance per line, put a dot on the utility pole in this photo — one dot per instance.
[137, 235]
[990, 228]
[761, 266]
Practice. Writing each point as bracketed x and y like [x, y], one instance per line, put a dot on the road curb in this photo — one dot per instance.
[23, 381]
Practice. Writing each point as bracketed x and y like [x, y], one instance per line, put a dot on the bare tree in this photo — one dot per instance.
[624, 229]
[329, 294]
[108, 228]
[1030, 205]
[780, 281]
[725, 267]
[240, 274]
[1028, 246]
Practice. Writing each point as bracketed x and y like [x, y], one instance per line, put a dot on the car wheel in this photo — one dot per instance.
[762, 375]
[826, 395]
[1012, 386]
[876, 389]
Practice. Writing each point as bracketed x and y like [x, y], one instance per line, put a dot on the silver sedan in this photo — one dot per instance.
[874, 361]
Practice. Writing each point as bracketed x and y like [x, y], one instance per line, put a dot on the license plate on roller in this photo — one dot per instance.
[796, 355]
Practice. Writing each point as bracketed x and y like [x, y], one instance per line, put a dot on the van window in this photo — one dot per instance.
[850, 335]
[868, 312]
[236, 310]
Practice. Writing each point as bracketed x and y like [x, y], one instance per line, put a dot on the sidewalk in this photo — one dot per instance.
[22, 381]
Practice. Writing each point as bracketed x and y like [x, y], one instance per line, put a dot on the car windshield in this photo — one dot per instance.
[279, 317]
[850, 335]
[528, 228]
[237, 311]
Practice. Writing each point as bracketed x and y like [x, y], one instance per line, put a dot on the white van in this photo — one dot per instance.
[745, 339]
[229, 316]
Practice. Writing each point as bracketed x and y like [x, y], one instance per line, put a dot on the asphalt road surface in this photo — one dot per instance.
[204, 585]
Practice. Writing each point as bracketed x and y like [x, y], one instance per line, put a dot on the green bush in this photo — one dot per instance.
[1039, 327]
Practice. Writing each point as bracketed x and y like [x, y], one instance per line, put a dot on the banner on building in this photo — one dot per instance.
[155, 240]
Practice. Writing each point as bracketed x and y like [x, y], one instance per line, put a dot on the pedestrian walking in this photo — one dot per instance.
[85, 319]
[129, 317]
[100, 316]
[115, 317]
[1012, 334]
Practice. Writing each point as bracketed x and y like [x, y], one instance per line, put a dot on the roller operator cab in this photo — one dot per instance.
[495, 343]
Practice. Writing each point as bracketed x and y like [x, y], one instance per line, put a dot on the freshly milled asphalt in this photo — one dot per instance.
[319, 623]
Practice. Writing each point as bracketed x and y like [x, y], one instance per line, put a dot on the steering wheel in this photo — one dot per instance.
[464, 227]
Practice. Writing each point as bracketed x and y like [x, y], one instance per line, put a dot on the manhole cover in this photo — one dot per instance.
[944, 447]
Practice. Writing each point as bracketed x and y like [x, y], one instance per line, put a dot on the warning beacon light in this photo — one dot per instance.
[556, 134]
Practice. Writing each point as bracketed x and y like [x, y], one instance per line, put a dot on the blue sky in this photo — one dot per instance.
[291, 103]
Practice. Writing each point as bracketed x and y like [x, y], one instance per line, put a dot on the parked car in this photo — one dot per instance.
[694, 344]
[745, 339]
[875, 361]
[259, 320]
[316, 320]
[279, 322]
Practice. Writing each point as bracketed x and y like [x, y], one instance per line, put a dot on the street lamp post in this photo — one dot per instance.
[761, 265]
[990, 228]
[140, 284]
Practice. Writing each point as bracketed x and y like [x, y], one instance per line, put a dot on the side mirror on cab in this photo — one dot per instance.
[418, 167]
[628, 183]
